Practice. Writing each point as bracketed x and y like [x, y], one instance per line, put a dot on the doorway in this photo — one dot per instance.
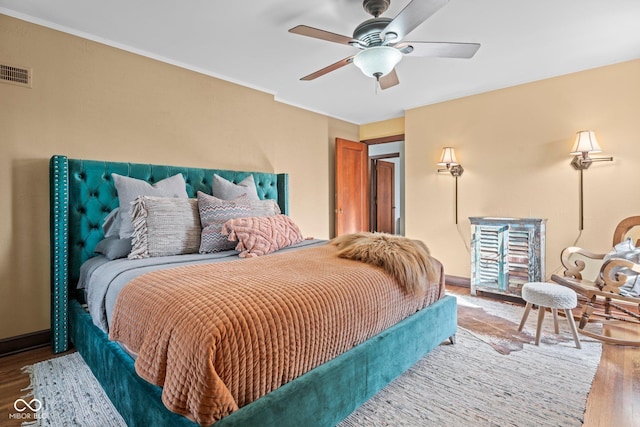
[351, 191]
[386, 206]
[366, 196]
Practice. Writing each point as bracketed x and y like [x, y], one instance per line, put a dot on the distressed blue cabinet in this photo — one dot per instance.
[506, 253]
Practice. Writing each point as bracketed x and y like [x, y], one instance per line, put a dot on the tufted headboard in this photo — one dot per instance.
[82, 193]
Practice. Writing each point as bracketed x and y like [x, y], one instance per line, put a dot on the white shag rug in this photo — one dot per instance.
[468, 383]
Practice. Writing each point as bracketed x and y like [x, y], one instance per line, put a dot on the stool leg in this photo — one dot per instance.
[554, 311]
[540, 320]
[527, 309]
[572, 324]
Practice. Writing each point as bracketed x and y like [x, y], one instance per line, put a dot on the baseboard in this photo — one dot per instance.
[463, 282]
[25, 342]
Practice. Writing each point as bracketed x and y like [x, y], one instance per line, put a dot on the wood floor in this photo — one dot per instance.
[13, 381]
[614, 400]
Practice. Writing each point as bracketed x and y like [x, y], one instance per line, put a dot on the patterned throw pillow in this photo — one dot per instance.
[164, 226]
[262, 235]
[214, 213]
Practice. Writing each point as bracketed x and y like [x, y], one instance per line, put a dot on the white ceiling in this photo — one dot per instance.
[247, 42]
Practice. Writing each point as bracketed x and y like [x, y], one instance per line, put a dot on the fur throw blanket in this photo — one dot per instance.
[407, 261]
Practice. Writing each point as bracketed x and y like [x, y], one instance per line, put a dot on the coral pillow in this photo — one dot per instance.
[262, 235]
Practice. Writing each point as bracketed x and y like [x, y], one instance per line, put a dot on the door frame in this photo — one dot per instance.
[373, 222]
[382, 140]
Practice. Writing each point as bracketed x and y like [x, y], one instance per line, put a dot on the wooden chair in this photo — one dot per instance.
[601, 298]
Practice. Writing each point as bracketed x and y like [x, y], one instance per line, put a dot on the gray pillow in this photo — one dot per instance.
[267, 207]
[111, 224]
[227, 190]
[130, 188]
[164, 226]
[113, 247]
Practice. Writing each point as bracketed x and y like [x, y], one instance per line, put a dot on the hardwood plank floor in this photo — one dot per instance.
[13, 381]
[614, 400]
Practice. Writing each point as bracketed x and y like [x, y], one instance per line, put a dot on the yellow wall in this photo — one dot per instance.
[381, 129]
[93, 101]
[513, 144]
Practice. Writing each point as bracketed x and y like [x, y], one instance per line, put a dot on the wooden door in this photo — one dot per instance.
[385, 197]
[351, 210]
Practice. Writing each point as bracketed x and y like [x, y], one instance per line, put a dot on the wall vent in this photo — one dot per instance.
[20, 76]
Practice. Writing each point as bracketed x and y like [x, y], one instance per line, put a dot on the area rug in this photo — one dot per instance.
[469, 383]
[472, 384]
[497, 322]
[69, 395]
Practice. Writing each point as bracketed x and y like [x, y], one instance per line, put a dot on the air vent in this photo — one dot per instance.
[19, 76]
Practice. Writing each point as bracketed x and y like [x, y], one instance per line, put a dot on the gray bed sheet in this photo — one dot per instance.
[103, 279]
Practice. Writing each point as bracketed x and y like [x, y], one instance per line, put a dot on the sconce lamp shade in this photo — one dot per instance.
[448, 157]
[585, 143]
[377, 61]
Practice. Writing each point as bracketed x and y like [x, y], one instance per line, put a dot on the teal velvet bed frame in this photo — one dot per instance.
[82, 194]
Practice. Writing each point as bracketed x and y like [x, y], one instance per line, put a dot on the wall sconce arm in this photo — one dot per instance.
[586, 143]
[583, 162]
[454, 170]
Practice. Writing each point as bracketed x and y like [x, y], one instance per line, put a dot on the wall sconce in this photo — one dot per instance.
[586, 143]
[449, 161]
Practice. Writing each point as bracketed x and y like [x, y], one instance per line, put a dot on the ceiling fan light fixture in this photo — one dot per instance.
[377, 61]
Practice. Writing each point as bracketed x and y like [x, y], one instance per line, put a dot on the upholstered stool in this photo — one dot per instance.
[549, 295]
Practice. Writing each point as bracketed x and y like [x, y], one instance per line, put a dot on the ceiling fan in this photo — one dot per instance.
[381, 44]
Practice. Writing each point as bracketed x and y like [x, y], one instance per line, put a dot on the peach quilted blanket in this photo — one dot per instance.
[219, 336]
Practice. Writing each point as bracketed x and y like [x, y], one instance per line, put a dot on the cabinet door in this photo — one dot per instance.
[488, 269]
[519, 258]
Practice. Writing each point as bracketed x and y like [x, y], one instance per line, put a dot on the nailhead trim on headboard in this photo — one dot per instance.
[59, 215]
[83, 193]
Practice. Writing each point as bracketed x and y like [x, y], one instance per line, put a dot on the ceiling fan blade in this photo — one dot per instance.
[316, 33]
[414, 14]
[389, 80]
[439, 49]
[329, 68]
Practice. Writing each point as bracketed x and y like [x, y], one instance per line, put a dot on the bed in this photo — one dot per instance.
[83, 193]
